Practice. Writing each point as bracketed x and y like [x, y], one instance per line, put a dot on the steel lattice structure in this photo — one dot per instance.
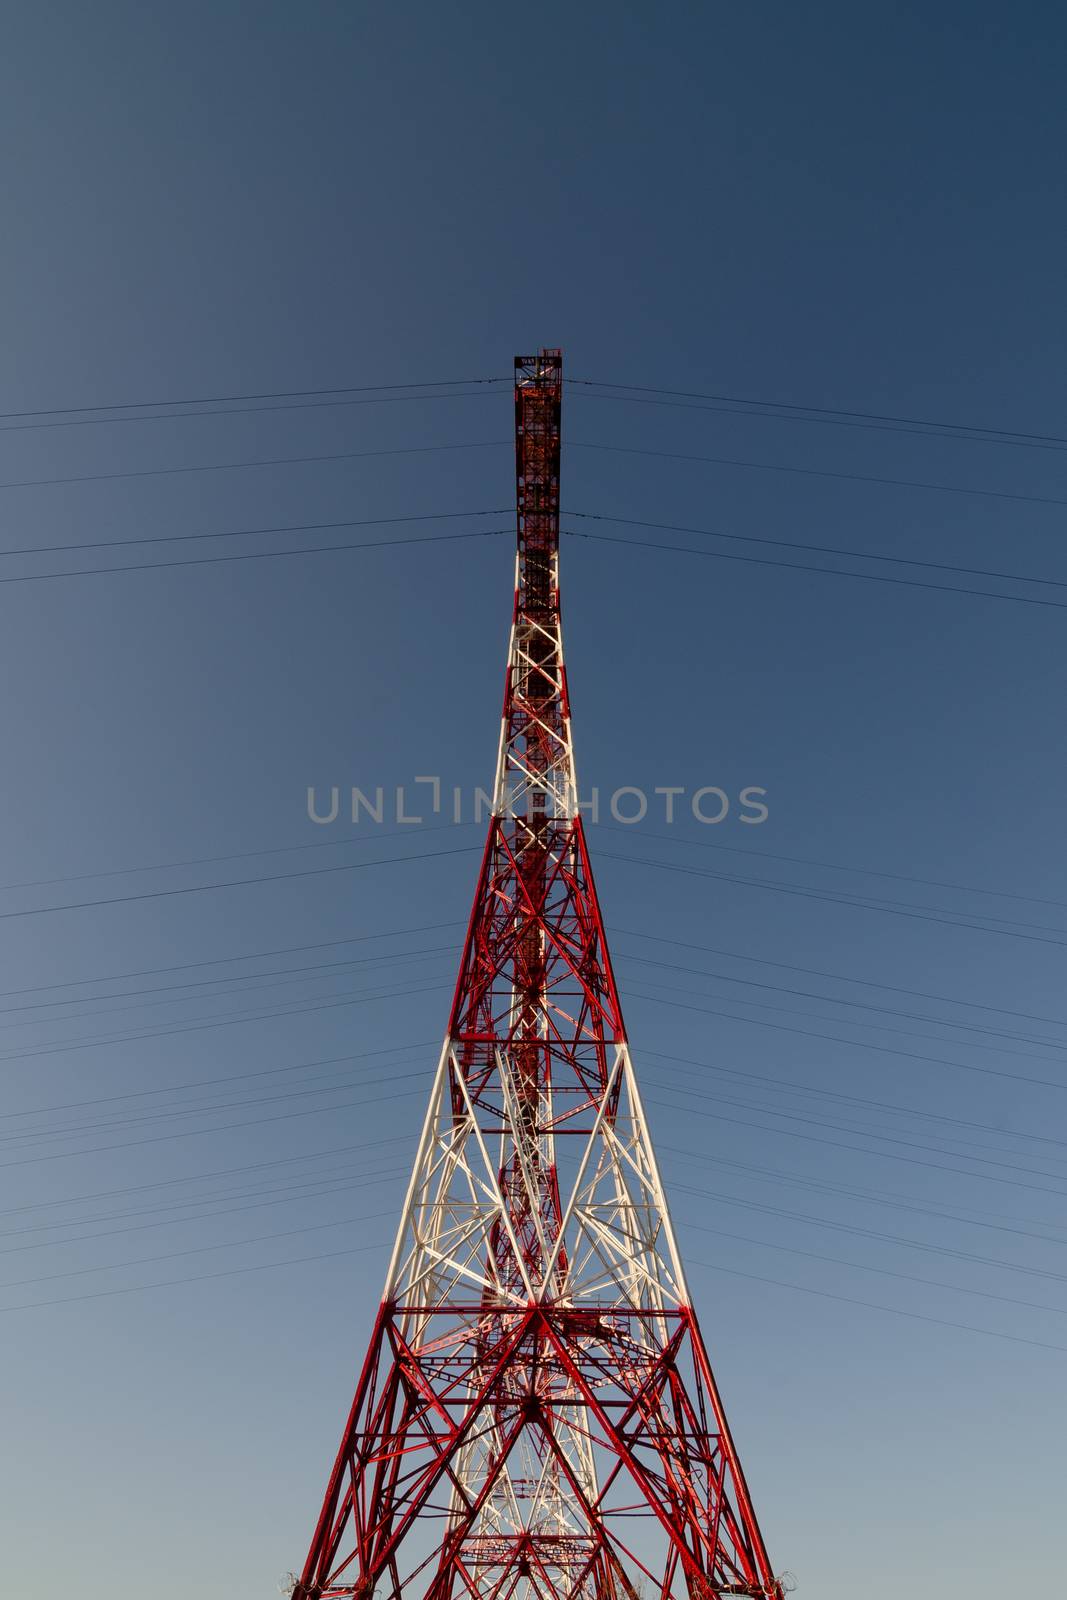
[536, 1416]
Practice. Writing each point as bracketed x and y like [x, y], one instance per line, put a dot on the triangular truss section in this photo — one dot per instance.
[536, 1418]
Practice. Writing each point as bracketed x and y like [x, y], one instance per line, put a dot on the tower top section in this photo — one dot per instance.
[538, 408]
[535, 768]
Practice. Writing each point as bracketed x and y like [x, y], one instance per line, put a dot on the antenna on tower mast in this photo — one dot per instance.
[536, 1417]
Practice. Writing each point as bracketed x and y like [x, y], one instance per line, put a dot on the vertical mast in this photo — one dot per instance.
[536, 1417]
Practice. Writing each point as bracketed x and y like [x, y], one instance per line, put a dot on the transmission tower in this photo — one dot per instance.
[536, 1416]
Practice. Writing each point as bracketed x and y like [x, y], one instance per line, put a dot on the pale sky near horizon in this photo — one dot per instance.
[820, 207]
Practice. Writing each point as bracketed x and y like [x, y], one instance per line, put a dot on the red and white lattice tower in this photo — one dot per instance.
[536, 1416]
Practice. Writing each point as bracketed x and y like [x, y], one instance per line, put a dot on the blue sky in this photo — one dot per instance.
[825, 206]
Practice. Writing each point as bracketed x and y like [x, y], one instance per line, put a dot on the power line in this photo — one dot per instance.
[38, 1134]
[407, 954]
[646, 544]
[894, 1136]
[431, 927]
[168, 1222]
[861, 1266]
[27, 1138]
[226, 1020]
[816, 472]
[807, 861]
[828, 572]
[487, 444]
[234, 855]
[855, 1044]
[311, 1072]
[230, 1272]
[236, 883]
[722, 977]
[795, 1087]
[877, 1197]
[250, 533]
[192, 1133]
[255, 555]
[500, 381]
[300, 1006]
[832, 416]
[220, 961]
[885, 1155]
[329, 1089]
[233, 466]
[956, 1254]
[329, 973]
[330, 1186]
[313, 972]
[896, 1109]
[233, 411]
[856, 902]
[343, 1064]
[818, 549]
[396, 1172]
[841, 977]
[331, 1255]
[883, 1238]
[728, 1199]
[268, 983]
[863, 1005]
[41, 1137]
[233, 1077]
[199, 1177]
[727, 1119]
[269, 394]
[868, 1133]
[383, 1244]
[865, 902]
[376, 1216]
[881, 1027]
[292, 1192]
[36, 1137]
[870, 1305]
[847, 897]
[629, 831]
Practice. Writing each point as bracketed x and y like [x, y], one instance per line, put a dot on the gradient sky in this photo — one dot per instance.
[829, 205]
